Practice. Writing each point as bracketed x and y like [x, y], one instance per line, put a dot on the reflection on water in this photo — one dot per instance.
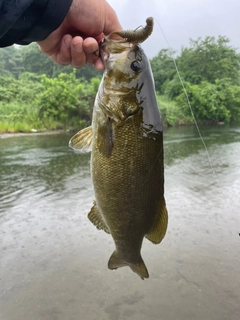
[54, 262]
[38, 167]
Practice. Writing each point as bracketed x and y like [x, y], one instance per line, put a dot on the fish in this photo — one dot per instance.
[127, 156]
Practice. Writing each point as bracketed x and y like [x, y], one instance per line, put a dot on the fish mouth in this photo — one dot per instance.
[104, 52]
[108, 47]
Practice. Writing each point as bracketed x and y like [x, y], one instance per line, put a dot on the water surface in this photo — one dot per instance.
[54, 261]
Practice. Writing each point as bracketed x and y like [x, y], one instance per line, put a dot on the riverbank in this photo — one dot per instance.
[33, 133]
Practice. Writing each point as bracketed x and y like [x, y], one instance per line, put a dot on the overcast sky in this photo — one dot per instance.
[181, 20]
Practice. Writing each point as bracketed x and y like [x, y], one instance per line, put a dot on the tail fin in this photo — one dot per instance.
[139, 268]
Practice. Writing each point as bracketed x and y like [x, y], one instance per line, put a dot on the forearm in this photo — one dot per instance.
[25, 21]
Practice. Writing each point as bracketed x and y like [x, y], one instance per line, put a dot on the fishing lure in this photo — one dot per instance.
[136, 36]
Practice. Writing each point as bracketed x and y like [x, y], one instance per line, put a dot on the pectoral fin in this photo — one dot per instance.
[95, 217]
[105, 138]
[82, 141]
[159, 228]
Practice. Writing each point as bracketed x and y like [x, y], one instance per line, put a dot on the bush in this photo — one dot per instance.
[219, 102]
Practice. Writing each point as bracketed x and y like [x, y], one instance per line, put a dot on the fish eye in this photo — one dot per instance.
[136, 66]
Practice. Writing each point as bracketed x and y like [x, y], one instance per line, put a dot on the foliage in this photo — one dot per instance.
[208, 60]
[204, 60]
[210, 70]
[173, 88]
[15, 60]
[34, 61]
[11, 63]
[39, 102]
[17, 109]
[37, 93]
[88, 72]
[163, 69]
[59, 98]
[18, 90]
[170, 112]
[218, 102]
[66, 100]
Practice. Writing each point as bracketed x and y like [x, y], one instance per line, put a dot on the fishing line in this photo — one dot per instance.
[189, 104]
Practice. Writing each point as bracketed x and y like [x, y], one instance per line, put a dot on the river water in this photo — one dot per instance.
[53, 261]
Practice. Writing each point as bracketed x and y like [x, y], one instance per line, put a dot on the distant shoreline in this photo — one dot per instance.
[49, 132]
[23, 134]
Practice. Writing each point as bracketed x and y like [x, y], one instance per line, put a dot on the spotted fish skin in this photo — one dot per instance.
[127, 165]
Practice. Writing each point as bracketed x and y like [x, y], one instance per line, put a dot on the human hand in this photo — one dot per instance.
[76, 40]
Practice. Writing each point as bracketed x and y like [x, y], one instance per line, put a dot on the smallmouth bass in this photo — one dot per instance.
[126, 141]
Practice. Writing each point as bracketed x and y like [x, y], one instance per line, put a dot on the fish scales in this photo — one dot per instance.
[130, 186]
[127, 168]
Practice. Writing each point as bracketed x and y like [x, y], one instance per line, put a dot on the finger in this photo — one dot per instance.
[91, 48]
[77, 53]
[99, 64]
[99, 38]
[111, 23]
[64, 54]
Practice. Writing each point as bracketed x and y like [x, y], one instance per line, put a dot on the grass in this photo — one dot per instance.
[18, 117]
[23, 118]
[171, 113]
[11, 127]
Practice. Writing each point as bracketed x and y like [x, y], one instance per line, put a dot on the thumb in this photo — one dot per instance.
[111, 21]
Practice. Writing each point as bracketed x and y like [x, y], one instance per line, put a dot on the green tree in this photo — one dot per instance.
[3, 71]
[163, 69]
[18, 111]
[212, 102]
[229, 95]
[18, 91]
[88, 72]
[66, 100]
[208, 60]
[11, 61]
[33, 60]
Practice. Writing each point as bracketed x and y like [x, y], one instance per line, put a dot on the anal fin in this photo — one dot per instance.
[95, 217]
[159, 229]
